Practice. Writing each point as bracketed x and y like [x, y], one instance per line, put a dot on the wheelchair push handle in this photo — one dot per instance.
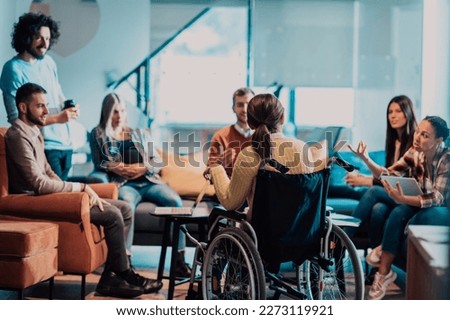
[342, 163]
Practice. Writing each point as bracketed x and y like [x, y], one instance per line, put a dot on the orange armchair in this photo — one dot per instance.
[81, 244]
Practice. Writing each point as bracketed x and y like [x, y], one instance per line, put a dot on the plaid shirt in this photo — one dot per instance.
[434, 184]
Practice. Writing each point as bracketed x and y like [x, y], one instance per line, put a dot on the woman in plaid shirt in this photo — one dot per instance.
[428, 160]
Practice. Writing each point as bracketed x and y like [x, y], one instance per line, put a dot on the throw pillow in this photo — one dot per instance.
[185, 173]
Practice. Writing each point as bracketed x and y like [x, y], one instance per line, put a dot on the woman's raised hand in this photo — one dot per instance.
[361, 150]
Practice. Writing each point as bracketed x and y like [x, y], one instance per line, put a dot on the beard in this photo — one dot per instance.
[36, 54]
[35, 120]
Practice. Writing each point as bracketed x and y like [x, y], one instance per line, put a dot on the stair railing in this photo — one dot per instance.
[142, 71]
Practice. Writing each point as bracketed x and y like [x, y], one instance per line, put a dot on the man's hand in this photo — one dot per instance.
[64, 116]
[68, 114]
[94, 199]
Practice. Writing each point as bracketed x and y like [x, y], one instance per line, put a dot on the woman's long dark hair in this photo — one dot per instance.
[265, 115]
[406, 139]
[440, 126]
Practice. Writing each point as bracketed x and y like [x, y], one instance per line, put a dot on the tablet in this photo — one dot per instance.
[409, 186]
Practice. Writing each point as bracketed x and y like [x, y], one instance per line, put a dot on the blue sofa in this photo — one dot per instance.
[342, 197]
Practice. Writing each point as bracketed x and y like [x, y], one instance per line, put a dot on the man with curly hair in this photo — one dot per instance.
[32, 37]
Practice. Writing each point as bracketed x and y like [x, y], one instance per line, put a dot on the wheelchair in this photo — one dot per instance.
[241, 260]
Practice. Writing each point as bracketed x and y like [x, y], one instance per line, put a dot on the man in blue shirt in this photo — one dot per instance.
[33, 36]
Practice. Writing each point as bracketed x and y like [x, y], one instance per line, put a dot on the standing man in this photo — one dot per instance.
[29, 172]
[33, 36]
[227, 142]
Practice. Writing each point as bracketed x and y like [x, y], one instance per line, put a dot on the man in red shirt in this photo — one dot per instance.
[227, 142]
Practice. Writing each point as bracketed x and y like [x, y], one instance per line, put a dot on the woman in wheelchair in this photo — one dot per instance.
[266, 116]
[285, 220]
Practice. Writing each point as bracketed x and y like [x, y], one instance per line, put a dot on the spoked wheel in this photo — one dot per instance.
[303, 279]
[232, 268]
[343, 281]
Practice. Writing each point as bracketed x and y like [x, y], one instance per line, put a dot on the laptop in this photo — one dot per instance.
[409, 185]
[343, 220]
[182, 211]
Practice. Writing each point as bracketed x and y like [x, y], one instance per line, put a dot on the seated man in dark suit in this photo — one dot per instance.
[29, 172]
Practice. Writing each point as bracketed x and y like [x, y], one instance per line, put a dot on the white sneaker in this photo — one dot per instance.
[380, 284]
[374, 257]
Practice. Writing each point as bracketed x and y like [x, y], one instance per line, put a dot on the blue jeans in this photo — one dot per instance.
[434, 216]
[373, 209]
[60, 161]
[394, 231]
[380, 213]
[132, 197]
[160, 194]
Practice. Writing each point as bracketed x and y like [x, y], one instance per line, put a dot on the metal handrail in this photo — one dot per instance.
[114, 84]
[142, 72]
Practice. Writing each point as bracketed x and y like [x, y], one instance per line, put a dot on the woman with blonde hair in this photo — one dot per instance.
[129, 158]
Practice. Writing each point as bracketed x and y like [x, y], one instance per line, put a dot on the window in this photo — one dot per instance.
[323, 107]
[193, 79]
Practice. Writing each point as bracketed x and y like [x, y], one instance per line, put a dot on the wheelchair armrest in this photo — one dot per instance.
[219, 217]
[234, 215]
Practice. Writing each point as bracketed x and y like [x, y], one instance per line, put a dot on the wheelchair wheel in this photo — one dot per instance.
[343, 281]
[303, 273]
[232, 268]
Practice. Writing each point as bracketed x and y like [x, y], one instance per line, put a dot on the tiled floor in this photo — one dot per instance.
[145, 260]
